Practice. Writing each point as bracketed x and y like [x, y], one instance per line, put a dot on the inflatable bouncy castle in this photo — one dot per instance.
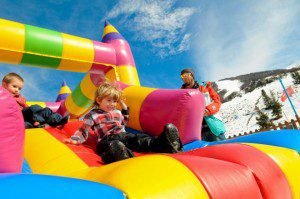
[37, 164]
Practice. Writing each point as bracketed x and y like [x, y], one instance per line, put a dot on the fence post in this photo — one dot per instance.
[294, 124]
[280, 126]
[287, 125]
[298, 120]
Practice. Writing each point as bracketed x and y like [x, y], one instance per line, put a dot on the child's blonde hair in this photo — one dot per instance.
[10, 76]
[107, 90]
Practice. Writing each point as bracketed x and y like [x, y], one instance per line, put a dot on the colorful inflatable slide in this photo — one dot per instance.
[264, 165]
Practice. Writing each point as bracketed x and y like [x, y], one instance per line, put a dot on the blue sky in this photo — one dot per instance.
[218, 38]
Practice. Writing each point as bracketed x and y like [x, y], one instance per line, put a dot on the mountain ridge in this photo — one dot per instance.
[252, 81]
[242, 94]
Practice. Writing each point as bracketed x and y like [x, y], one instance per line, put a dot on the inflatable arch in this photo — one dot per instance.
[255, 166]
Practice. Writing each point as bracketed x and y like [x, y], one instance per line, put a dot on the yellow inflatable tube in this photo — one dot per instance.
[137, 177]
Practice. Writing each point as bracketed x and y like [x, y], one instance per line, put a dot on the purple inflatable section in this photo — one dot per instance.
[12, 133]
[182, 107]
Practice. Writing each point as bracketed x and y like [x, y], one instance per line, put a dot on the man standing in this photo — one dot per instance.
[213, 128]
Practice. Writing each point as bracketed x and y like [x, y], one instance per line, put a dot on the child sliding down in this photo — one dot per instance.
[114, 143]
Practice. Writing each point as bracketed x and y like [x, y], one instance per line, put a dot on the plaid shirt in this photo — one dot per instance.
[102, 123]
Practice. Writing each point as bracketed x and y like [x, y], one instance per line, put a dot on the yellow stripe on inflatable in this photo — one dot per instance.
[45, 154]
[109, 29]
[87, 87]
[128, 75]
[79, 49]
[12, 35]
[135, 97]
[64, 90]
[150, 176]
[289, 162]
[73, 108]
[42, 104]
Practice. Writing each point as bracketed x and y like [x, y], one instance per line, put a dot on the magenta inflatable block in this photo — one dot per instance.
[12, 131]
[182, 107]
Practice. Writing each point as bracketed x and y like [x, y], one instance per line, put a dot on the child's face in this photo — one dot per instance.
[107, 104]
[14, 87]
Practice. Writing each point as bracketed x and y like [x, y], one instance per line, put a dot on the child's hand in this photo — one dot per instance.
[71, 141]
[122, 103]
[206, 112]
[35, 124]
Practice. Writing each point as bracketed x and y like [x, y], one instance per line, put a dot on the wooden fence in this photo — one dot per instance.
[292, 124]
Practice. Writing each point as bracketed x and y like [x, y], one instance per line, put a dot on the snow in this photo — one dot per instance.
[239, 114]
[230, 86]
[297, 64]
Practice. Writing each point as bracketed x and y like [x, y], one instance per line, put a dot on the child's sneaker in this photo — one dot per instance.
[170, 139]
[64, 120]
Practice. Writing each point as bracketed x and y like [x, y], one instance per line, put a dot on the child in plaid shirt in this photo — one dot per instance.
[114, 143]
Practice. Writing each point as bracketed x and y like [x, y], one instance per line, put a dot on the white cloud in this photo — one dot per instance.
[249, 40]
[160, 23]
[185, 43]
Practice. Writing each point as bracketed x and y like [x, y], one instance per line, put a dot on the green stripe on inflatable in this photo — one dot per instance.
[80, 99]
[42, 41]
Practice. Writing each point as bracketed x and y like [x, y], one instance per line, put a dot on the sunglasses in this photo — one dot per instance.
[185, 75]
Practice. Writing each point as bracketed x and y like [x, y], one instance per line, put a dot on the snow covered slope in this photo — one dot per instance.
[239, 114]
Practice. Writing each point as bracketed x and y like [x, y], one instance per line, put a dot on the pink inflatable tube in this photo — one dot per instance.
[184, 108]
[11, 134]
[104, 53]
[123, 52]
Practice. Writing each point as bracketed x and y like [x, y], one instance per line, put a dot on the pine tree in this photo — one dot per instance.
[263, 120]
[267, 100]
[276, 107]
[296, 77]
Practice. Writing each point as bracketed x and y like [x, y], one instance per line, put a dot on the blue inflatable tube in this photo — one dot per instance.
[195, 145]
[42, 186]
[283, 138]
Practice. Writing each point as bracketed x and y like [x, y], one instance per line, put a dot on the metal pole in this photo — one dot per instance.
[288, 97]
